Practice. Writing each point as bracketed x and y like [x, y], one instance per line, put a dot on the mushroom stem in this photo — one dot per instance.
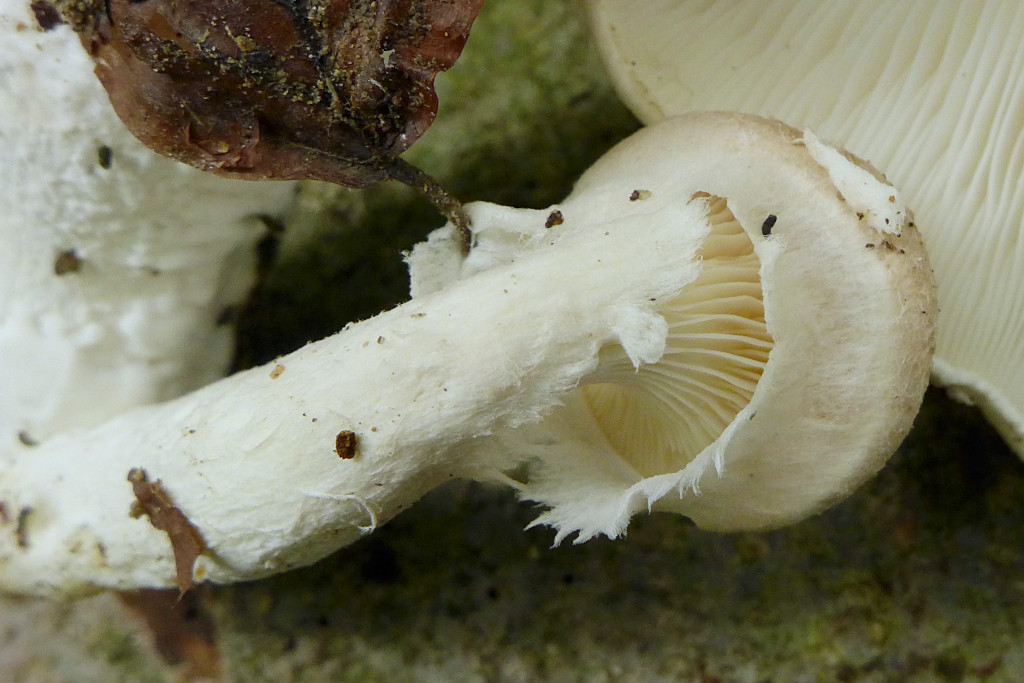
[521, 353]
[253, 461]
[120, 271]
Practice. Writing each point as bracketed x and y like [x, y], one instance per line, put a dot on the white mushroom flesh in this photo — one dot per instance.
[121, 270]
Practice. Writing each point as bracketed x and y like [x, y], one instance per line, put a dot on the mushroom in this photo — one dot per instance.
[931, 91]
[121, 270]
[698, 328]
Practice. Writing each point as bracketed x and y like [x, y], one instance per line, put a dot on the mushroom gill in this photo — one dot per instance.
[662, 415]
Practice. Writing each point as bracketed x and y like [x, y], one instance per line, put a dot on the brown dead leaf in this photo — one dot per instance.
[182, 631]
[327, 89]
[186, 541]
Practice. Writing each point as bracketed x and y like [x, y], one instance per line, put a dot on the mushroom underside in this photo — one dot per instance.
[793, 361]
[659, 417]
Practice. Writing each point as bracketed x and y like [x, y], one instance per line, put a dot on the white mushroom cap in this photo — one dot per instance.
[930, 91]
[793, 364]
[117, 265]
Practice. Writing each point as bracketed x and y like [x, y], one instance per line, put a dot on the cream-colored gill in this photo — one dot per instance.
[660, 416]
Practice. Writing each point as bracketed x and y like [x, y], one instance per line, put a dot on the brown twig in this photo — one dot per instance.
[404, 172]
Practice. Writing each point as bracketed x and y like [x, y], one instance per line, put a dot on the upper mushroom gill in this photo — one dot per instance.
[662, 415]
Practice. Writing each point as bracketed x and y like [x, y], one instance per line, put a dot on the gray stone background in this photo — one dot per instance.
[919, 576]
